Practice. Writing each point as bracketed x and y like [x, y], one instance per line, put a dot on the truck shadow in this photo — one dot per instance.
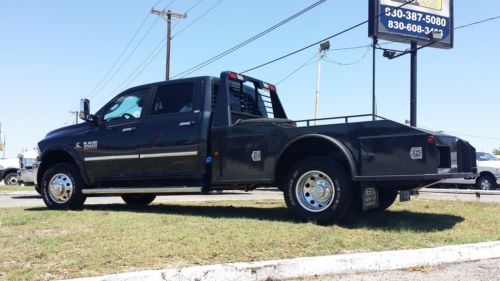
[386, 220]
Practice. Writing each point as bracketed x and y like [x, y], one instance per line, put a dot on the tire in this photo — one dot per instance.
[486, 182]
[329, 202]
[38, 190]
[61, 187]
[385, 199]
[11, 179]
[138, 199]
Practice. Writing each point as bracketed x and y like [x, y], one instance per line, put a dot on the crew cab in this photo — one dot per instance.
[232, 133]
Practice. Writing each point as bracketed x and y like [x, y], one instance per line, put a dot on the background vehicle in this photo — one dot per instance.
[488, 174]
[8, 171]
[232, 132]
[25, 173]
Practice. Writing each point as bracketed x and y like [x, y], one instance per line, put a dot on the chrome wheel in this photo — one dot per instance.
[485, 184]
[12, 180]
[61, 188]
[315, 191]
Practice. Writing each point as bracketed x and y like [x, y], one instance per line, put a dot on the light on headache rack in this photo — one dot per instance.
[268, 86]
[236, 76]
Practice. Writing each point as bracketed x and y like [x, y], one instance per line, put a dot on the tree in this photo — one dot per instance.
[496, 151]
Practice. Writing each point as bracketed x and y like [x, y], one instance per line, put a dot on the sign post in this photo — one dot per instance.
[416, 22]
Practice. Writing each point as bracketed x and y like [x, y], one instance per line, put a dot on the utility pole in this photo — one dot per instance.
[323, 48]
[374, 77]
[168, 15]
[76, 113]
[413, 82]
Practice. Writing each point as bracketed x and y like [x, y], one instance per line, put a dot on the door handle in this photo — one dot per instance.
[186, 124]
[129, 129]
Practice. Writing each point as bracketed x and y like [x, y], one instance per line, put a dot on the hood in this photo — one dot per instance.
[69, 130]
[490, 164]
[9, 163]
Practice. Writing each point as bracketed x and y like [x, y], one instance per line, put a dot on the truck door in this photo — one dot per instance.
[172, 133]
[111, 150]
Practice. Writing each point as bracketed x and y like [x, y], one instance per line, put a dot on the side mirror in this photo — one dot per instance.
[85, 110]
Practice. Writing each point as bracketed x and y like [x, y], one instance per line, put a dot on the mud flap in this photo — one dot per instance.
[404, 196]
[369, 198]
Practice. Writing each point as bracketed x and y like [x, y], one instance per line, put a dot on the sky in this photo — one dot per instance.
[54, 52]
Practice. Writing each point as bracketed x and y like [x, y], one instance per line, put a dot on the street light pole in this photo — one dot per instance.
[323, 48]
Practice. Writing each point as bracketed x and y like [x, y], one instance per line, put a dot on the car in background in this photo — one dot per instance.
[488, 173]
[8, 171]
[25, 173]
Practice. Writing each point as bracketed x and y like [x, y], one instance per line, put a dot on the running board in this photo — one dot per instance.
[141, 190]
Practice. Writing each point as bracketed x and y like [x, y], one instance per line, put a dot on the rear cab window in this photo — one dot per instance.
[173, 98]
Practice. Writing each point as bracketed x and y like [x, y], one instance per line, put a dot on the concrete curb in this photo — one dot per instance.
[312, 266]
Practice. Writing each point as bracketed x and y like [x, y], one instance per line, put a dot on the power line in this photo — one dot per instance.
[156, 51]
[347, 30]
[248, 41]
[349, 63]
[308, 62]
[187, 11]
[101, 85]
[477, 22]
[198, 18]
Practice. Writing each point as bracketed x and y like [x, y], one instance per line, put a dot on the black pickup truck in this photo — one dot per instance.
[232, 133]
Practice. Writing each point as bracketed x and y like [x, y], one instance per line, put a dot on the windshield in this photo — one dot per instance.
[482, 156]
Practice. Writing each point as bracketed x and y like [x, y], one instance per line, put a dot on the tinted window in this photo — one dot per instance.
[127, 106]
[173, 98]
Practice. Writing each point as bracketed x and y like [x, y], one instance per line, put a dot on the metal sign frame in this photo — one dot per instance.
[391, 21]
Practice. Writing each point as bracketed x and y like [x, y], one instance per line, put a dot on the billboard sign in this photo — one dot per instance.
[390, 20]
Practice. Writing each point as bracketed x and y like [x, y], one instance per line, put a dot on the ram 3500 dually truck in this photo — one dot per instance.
[228, 133]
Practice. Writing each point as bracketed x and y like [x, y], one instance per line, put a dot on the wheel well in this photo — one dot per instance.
[8, 171]
[486, 174]
[310, 146]
[53, 157]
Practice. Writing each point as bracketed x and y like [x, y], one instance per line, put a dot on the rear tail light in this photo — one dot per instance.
[430, 139]
[236, 76]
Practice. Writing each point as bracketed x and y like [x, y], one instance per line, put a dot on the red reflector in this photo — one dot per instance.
[272, 88]
[233, 75]
[430, 139]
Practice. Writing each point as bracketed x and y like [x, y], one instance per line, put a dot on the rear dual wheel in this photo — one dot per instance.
[318, 189]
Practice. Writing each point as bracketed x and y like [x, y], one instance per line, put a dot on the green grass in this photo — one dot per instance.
[16, 188]
[38, 244]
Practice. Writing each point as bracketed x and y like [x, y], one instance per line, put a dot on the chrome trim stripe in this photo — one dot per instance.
[141, 190]
[107, 158]
[172, 154]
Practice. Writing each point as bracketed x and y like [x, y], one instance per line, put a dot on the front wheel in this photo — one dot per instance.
[318, 189]
[486, 182]
[138, 199]
[11, 179]
[61, 187]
